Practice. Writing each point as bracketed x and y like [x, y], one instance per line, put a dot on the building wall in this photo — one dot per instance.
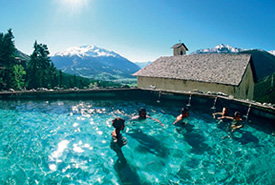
[166, 84]
[243, 91]
[179, 51]
[246, 88]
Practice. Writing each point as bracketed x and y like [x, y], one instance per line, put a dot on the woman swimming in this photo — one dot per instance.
[119, 125]
[184, 114]
[142, 115]
[222, 114]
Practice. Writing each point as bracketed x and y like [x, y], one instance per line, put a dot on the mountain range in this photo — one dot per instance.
[98, 63]
[94, 62]
[219, 49]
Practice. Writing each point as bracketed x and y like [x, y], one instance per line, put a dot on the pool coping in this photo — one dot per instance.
[257, 108]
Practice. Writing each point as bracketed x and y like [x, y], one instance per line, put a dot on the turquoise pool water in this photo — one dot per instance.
[68, 142]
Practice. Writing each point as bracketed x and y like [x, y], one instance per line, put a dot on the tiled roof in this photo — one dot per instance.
[214, 68]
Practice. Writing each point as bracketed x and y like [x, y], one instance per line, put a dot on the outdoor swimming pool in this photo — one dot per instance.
[68, 142]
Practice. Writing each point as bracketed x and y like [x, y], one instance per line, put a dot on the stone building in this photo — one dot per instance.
[232, 74]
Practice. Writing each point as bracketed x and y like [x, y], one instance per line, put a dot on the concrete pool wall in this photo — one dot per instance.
[196, 99]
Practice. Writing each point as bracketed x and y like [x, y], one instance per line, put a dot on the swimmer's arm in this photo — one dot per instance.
[234, 127]
[227, 117]
[135, 117]
[178, 119]
[156, 120]
[217, 113]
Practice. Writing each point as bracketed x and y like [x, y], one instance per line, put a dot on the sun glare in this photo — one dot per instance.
[74, 5]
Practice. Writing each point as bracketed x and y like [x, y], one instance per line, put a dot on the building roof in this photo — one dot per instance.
[179, 45]
[213, 68]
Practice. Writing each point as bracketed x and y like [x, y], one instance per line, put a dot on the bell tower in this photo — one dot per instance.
[179, 49]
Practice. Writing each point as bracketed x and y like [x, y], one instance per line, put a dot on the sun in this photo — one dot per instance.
[74, 2]
[74, 5]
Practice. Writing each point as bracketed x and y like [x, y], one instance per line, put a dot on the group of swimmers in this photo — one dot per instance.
[119, 123]
[223, 116]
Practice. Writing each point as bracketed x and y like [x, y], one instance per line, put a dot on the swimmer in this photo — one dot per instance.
[119, 125]
[222, 114]
[142, 116]
[184, 114]
[237, 121]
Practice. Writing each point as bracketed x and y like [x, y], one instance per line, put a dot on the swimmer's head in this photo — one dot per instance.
[118, 123]
[184, 111]
[224, 111]
[237, 114]
[142, 112]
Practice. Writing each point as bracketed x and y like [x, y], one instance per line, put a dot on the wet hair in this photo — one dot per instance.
[141, 110]
[225, 111]
[236, 114]
[118, 123]
[184, 110]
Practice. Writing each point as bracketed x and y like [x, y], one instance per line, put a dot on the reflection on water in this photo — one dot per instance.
[127, 174]
[68, 142]
[245, 138]
[148, 143]
[197, 142]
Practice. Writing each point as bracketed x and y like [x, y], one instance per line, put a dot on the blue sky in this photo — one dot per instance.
[140, 30]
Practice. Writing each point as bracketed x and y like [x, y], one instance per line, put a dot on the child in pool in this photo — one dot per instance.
[237, 121]
[142, 116]
[222, 114]
[224, 122]
[184, 114]
[119, 125]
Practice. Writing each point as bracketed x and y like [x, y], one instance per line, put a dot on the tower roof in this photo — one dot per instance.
[179, 45]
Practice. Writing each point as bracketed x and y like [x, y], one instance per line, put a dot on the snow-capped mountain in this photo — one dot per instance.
[272, 52]
[94, 62]
[219, 49]
[86, 51]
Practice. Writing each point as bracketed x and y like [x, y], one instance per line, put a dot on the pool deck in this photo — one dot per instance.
[266, 111]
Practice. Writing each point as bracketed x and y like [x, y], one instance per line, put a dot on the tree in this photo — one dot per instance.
[40, 68]
[52, 76]
[7, 60]
[60, 79]
[75, 81]
[7, 49]
[19, 74]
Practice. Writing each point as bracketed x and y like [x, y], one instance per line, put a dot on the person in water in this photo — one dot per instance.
[142, 115]
[237, 121]
[119, 125]
[184, 114]
[224, 122]
[222, 114]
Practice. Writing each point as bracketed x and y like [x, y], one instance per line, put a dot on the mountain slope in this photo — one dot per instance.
[94, 62]
[272, 52]
[142, 64]
[21, 55]
[264, 62]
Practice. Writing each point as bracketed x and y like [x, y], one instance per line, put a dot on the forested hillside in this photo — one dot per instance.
[19, 71]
